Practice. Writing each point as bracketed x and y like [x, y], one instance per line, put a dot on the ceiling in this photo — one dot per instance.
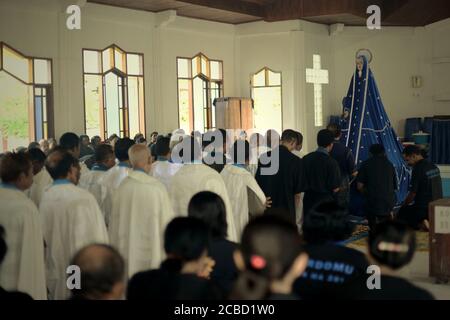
[349, 12]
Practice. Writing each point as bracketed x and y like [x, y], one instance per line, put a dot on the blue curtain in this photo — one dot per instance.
[427, 125]
[412, 125]
[440, 140]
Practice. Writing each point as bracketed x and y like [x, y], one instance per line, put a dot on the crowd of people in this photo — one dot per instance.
[182, 216]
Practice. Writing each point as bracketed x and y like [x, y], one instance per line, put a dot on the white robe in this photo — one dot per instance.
[41, 182]
[194, 178]
[98, 190]
[85, 176]
[140, 214]
[164, 171]
[245, 195]
[71, 219]
[23, 268]
[111, 180]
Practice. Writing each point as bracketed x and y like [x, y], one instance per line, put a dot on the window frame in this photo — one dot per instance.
[32, 130]
[125, 90]
[267, 85]
[204, 77]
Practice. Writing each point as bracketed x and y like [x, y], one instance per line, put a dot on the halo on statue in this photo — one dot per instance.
[365, 53]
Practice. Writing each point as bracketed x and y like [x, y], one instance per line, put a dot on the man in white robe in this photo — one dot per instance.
[41, 179]
[164, 169]
[195, 177]
[23, 268]
[245, 194]
[114, 176]
[104, 160]
[141, 210]
[71, 219]
[71, 142]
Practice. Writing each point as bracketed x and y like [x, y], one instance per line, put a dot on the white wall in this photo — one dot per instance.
[37, 28]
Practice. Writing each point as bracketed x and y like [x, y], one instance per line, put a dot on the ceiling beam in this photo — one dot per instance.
[249, 8]
[298, 9]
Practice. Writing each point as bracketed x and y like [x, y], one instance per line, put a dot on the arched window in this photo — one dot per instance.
[266, 94]
[200, 81]
[113, 92]
[26, 110]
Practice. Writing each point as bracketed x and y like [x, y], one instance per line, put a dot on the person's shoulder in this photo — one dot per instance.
[223, 244]
[408, 290]
[14, 296]
[147, 275]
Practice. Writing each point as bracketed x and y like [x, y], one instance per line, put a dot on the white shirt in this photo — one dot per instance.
[71, 219]
[41, 182]
[194, 178]
[111, 181]
[140, 214]
[245, 194]
[23, 268]
[164, 171]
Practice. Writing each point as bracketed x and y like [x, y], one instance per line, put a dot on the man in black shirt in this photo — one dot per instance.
[331, 264]
[286, 182]
[216, 158]
[344, 157]
[425, 187]
[321, 172]
[378, 182]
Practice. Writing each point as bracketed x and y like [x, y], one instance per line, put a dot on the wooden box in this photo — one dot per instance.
[439, 217]
[234, 113]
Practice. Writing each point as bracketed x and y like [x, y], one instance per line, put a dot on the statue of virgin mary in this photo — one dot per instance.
[365, 122]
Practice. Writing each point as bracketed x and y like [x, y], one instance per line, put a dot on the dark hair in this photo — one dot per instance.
[95, 140]
[36, 155]
[327, 222]
[299, 138]
[269, 247]
[335, 129]
[103, 152]
[377, 149]
[59, 162]
[84, 136]
[162, 146]
[69, 141]
[13, 165]
[324, 138]
[414, 150]
[154, 132]
[3, 245]
[392, 243]
[240, 146]
[99, 274]
[33, 145]
[185, 239]
[121, 148]
[210, 208]
[289, 135]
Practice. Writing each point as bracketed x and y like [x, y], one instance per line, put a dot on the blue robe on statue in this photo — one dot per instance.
[367, 123]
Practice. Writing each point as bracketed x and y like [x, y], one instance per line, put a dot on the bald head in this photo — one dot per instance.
[140, 157]
[102, 272]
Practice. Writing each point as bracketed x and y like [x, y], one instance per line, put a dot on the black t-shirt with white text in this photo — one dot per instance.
[330, 266]
[426, 182]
